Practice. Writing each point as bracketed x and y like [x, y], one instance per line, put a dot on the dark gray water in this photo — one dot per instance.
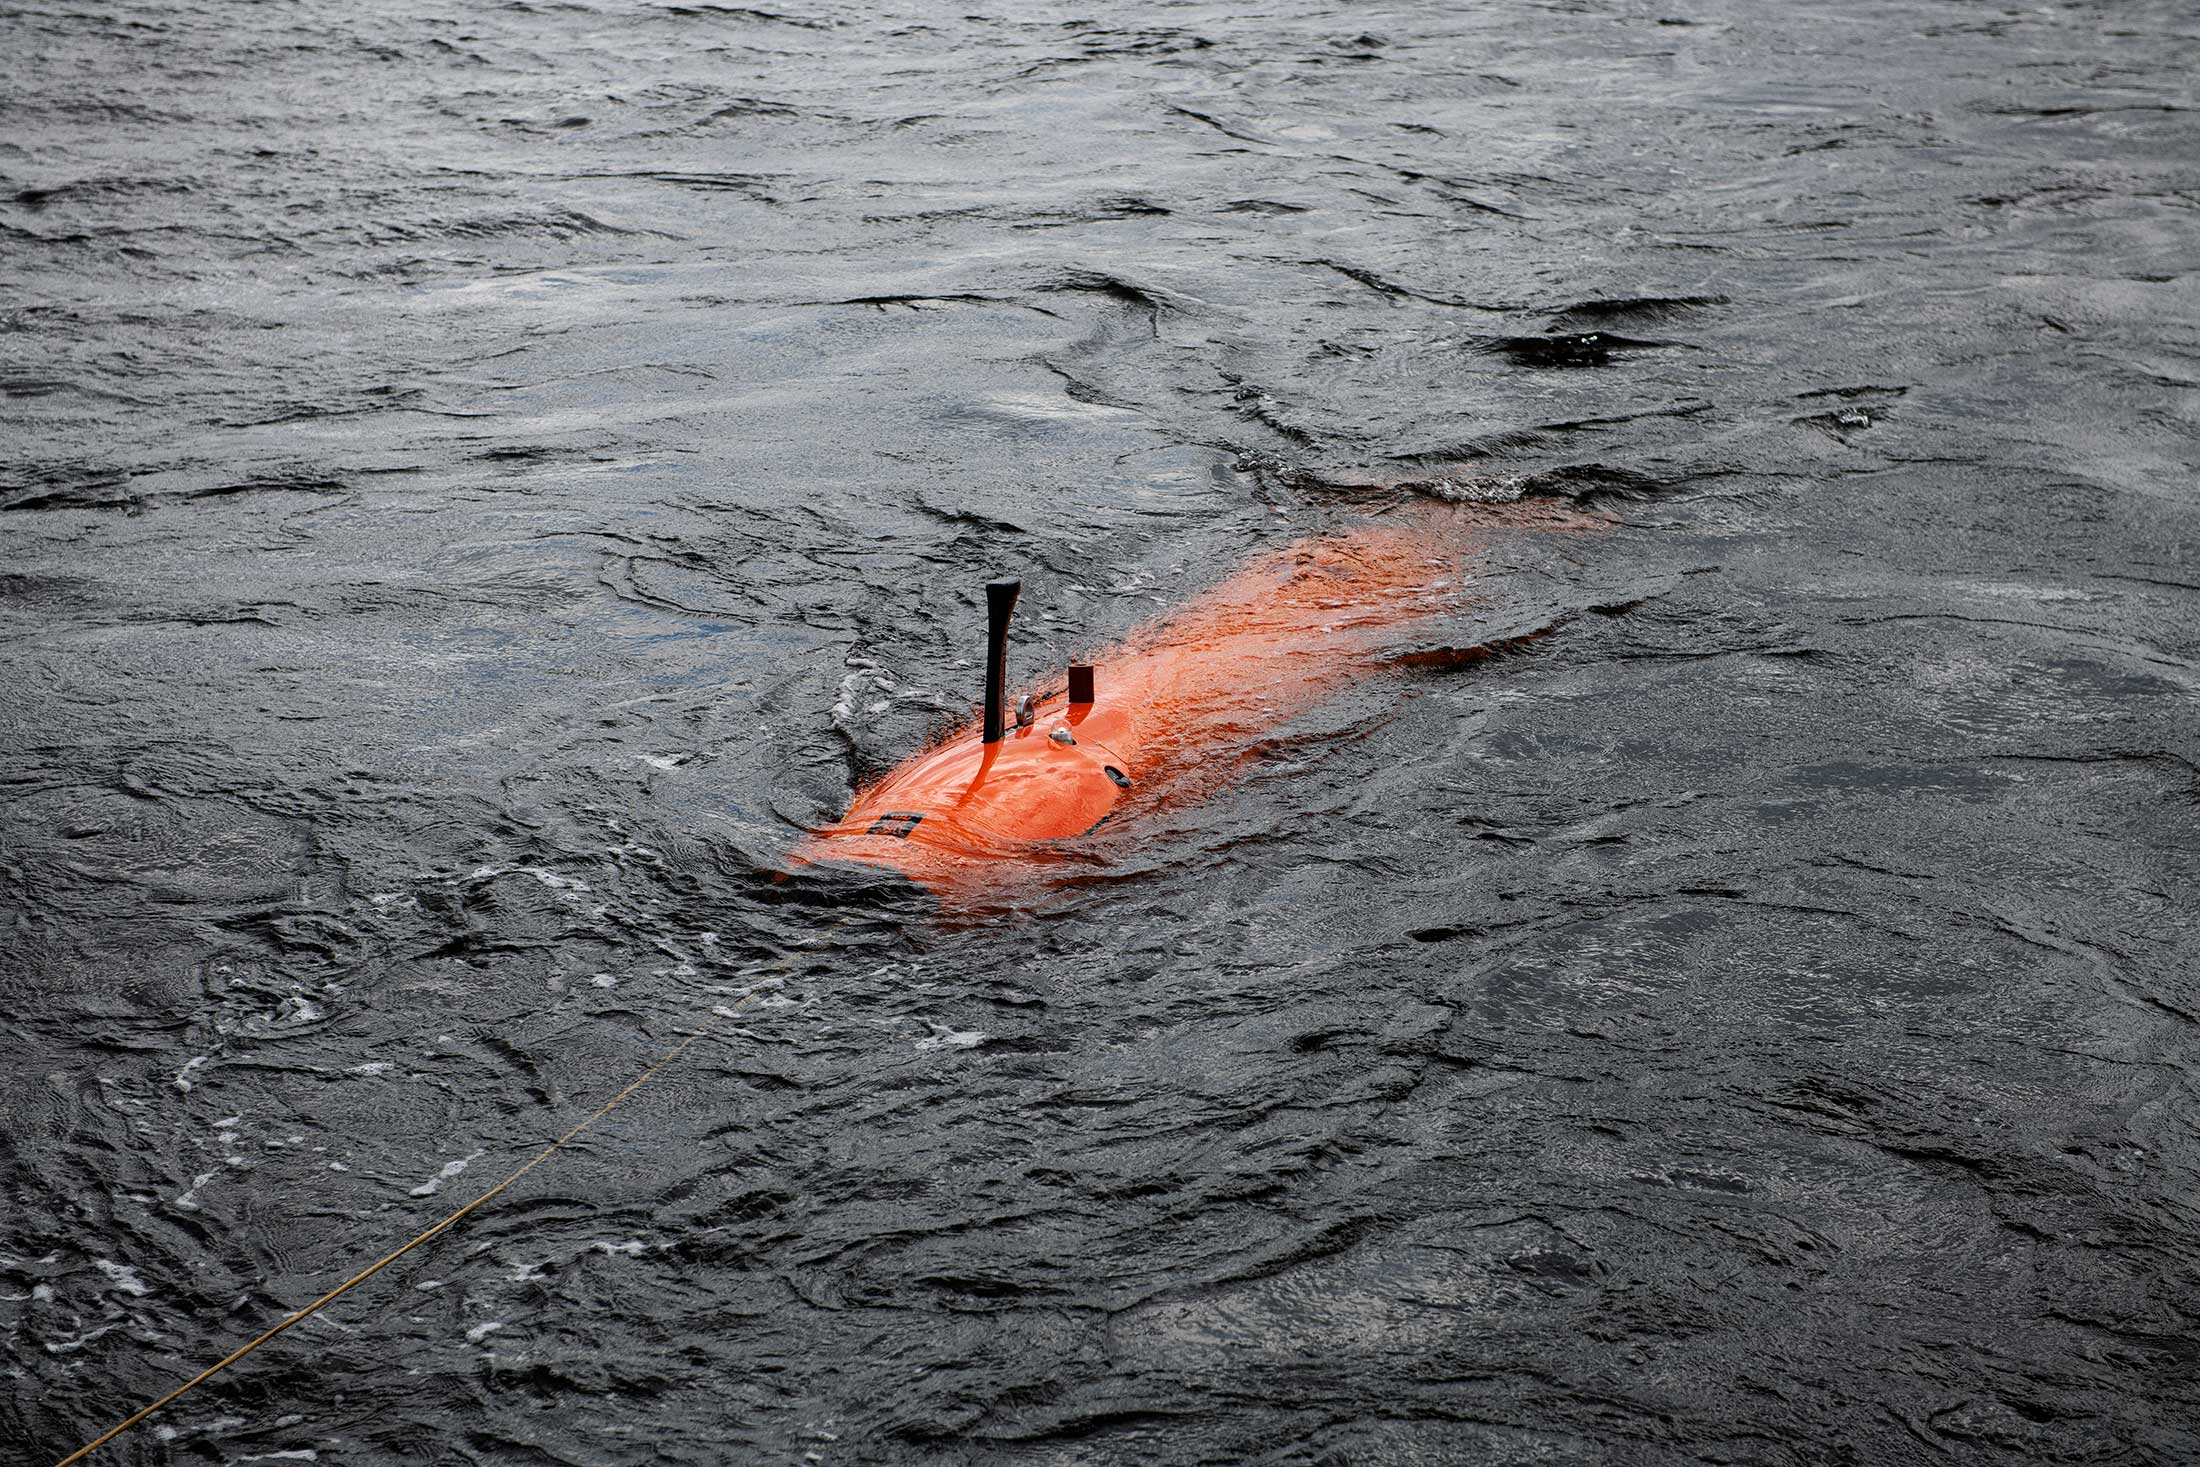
[479, 481]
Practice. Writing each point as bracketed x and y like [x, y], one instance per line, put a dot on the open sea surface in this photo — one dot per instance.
[478, 481]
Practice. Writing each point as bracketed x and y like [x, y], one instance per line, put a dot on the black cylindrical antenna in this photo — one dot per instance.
[1000, 600]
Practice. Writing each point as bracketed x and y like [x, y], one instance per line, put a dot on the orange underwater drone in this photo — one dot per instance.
[1236, 662]
[1268, 642]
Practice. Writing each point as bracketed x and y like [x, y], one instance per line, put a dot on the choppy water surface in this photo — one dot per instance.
[479, 481]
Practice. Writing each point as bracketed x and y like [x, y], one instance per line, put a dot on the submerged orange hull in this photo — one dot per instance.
[1270, 641]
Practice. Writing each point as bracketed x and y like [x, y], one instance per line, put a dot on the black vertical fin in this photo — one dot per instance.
[1000, 601]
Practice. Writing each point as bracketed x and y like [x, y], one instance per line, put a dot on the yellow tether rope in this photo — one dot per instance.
[376, 1267]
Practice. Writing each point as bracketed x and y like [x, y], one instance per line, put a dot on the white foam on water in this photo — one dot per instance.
[189, 1201]
[550, 879]
[450, 1169]
[78, 1342]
